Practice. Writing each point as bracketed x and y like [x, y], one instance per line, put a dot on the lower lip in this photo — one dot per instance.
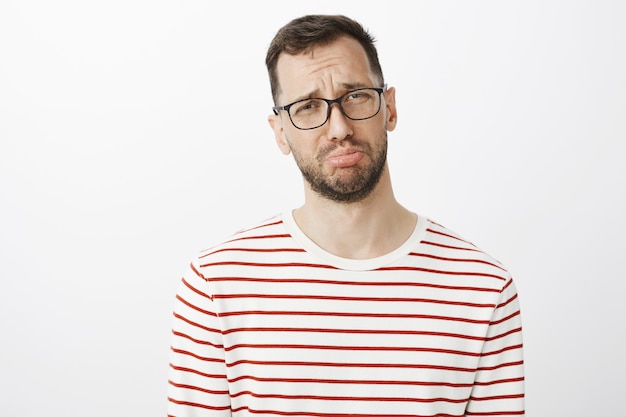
[345, 161]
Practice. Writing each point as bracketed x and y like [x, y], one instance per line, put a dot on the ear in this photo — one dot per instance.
[276, 123]
[390, 107]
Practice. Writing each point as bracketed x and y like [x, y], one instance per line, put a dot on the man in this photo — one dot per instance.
[350, 305]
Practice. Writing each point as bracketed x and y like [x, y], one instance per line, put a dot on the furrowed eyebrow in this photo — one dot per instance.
[354, 86]
[312, 94]
[345, 86]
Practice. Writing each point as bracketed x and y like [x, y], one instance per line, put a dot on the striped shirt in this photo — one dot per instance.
[269, 324]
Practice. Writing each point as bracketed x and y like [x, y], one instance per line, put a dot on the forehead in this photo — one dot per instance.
[324, 68]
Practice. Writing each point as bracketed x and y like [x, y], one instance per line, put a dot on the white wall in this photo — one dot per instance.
[125, 148]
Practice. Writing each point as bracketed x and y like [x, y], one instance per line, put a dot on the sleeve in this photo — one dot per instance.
[197, 375]
[499, 385]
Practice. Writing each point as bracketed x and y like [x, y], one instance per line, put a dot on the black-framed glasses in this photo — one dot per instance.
[311, 113]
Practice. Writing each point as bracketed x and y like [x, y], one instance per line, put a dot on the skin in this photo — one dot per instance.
[341, 153]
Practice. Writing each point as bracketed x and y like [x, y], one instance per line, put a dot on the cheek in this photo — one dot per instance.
[301, 144]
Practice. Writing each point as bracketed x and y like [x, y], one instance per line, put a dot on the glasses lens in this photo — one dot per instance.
[361, 104]
[310, 113]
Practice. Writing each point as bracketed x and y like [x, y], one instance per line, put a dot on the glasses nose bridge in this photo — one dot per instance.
[330, 103]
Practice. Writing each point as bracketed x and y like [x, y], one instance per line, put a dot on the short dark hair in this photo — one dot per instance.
[304, 33]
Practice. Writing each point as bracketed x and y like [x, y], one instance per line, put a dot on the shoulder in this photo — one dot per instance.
[440, 235]
[265, 233]
[457, 252]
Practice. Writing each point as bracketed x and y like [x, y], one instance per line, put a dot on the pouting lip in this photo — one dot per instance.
[345, 158]
[342, 151]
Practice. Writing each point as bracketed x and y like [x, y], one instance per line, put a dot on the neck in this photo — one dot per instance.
[366, 229]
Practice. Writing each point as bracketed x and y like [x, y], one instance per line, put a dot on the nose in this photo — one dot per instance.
[339, 126]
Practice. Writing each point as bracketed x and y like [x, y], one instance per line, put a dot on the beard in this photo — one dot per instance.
[357, 185]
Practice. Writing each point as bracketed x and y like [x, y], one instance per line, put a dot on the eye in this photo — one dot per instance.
[358, 96]
[306, 107]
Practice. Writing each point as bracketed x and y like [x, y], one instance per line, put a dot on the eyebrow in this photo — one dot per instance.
[345, 86]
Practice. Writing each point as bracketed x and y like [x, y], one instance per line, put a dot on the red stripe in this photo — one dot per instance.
[502, 365]
[351, 365]
[353, 382]
[312, 414]
[280, 236]
[449, 235]
[508, 301]
[496, 352]
[436, 271]
[188, 304]
[202, 358]
[510, 316]
[198, 325]
[500, 381]
[343, 298]
[344, 314]
[201, 342]
[352, 348]
[441, 258]
[195, 388]
[356, 283]
[496, 413]
[498, 397]
[261, 226]
[425, 242]
[355, 331]
[194, 371]
[200, 293]
[346, 398]
[191, 404]
[510, 332]
[198, 273]
[277, 250]
[276, 265]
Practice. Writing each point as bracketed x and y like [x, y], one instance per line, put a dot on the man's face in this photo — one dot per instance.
[343, 159]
